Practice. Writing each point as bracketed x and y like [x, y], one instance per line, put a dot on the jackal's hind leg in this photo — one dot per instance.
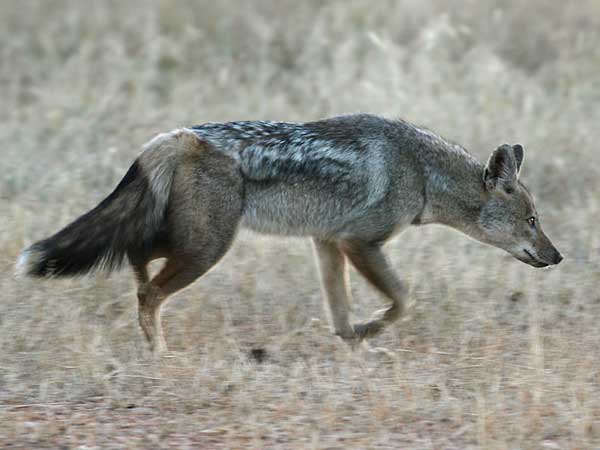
[204, 211]
[177, 273]
[370, 261]
[333, 272]
[150, 298]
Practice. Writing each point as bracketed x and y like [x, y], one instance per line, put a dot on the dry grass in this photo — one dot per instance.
[492, 354]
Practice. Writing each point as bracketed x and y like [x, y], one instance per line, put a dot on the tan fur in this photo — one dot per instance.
[206, 184]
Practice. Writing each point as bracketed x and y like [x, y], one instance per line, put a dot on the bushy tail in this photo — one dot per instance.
[126, 223]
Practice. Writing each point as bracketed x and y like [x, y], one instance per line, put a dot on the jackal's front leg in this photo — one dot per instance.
[370, 261]
[333, 271]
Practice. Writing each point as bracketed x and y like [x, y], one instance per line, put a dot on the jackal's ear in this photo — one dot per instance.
[519, 155]
[502, 169]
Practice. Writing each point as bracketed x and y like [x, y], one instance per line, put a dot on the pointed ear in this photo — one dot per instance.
[519, 155]
[502, 169]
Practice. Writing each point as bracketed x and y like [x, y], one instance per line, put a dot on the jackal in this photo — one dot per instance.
[349, 182]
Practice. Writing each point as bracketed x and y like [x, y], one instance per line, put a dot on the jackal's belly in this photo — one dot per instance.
[290, 220]
[315, 209]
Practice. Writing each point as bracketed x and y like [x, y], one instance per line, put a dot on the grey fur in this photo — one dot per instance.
[363, 177]
[349, 182]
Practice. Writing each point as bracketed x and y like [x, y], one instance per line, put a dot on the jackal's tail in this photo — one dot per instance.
[126, 223]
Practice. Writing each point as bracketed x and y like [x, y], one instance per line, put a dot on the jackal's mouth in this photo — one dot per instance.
[533, 261]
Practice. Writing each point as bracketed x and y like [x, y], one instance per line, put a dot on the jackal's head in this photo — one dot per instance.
[508, 218]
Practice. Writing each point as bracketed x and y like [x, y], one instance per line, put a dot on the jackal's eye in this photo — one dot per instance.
[531, 221]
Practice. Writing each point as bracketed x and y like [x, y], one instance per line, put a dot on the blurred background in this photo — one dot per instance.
[491, 354]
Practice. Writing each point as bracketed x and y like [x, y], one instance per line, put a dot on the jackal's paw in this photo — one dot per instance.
[350, 338]
[369, 329]
[159, 347]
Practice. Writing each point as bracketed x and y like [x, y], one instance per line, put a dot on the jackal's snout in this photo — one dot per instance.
[552, 256]
[546, 251]
[541, 254]
[557, 257]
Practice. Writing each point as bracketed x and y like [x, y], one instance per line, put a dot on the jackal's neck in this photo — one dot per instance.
[454, 191]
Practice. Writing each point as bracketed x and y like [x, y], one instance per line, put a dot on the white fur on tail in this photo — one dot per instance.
[26, 262]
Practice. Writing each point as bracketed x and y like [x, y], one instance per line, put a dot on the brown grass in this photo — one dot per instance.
[492, 354]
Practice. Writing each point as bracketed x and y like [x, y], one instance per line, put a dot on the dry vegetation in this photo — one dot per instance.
[492, 354]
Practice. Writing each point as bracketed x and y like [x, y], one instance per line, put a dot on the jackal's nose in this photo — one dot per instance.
[557, 258]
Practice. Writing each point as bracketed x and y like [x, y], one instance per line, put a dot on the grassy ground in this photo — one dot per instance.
[492, 354]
